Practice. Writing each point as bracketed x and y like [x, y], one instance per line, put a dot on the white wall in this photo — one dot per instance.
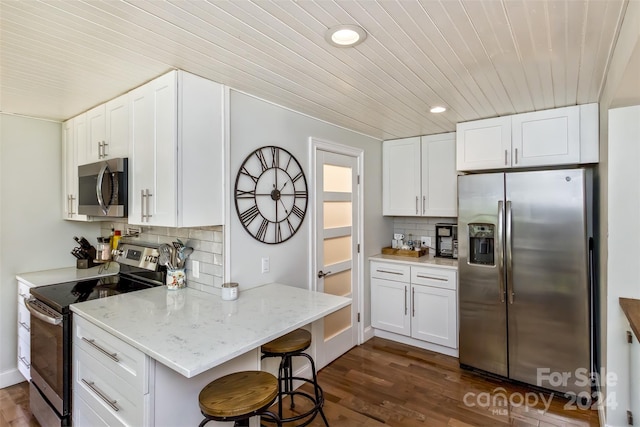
[624, 252]
[32, 234]
[256, 123]
[616, 179]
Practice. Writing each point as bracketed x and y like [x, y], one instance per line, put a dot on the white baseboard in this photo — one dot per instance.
[416, 343]
[10, 377]
[368, 334]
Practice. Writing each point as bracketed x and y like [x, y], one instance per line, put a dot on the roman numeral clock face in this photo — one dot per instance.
[271, 194]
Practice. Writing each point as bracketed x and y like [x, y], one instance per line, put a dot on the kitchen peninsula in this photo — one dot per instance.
[168, 344]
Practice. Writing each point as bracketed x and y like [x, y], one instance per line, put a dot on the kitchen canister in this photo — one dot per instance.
[229, 291]
[176, 279]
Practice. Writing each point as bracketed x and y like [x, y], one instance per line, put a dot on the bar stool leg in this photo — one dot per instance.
[318, 391]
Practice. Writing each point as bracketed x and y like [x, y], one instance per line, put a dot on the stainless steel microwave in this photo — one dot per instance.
[103, 188]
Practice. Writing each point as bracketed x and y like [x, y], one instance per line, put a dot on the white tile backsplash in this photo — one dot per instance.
[419, 226]
[206, 242]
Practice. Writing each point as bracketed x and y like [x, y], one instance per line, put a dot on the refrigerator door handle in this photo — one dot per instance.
[509, 251]
[501, 249]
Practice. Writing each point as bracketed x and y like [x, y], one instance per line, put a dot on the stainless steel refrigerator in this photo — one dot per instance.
[525, 293]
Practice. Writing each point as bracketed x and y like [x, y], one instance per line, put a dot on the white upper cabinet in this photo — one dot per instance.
[401, 177]
[73, 132]
[561, 136]
[550, 137]
[419, 176]
[484, 144]
[439, 175]
[107, 131]
[176, 160]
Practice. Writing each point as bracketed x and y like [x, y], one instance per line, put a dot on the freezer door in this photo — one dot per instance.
[547, 279]
[483, 318]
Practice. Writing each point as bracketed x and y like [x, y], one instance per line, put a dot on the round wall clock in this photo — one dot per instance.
[271, 195]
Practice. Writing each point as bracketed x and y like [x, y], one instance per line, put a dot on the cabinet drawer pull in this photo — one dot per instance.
[413, 302]
[101, 395]
[24, 325]
[24, 361]
[92, 342]
[432, 278]
[405, 300]
[390, 272]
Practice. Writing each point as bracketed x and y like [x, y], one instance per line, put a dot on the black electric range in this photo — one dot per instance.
[51, 326]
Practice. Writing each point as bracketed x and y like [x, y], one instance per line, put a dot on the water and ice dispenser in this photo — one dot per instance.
[481, 243]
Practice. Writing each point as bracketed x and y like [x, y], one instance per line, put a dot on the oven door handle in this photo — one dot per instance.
[41, 315]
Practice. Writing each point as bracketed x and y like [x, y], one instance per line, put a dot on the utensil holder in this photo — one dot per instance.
[176, 279]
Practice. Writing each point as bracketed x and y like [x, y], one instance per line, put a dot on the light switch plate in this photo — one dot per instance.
[195, 268]
[265, 265]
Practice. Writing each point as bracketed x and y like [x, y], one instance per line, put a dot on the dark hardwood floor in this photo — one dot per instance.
[386, 383]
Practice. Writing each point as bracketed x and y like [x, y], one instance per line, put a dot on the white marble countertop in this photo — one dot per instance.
[191, 331]
[68, 274]
[426, 260]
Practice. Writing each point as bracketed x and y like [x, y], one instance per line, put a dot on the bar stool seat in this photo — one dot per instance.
[286, 347]
[239, 396]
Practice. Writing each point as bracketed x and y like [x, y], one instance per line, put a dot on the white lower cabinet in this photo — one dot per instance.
[419, 302]
[24, 332]
[110, 378]
[634, 377]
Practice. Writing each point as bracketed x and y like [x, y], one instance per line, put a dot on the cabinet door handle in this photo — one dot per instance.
[24, 325]
[148, 197]
[101, 395]
[71, 199]
[92, 343]
[24, 360]
[516, 156]
[390, 272]
[506, 153]
[424, 200]
[104, 149]
[142, 196]
[413, 302]
[405, 300]
[417, 204]
[432, 278]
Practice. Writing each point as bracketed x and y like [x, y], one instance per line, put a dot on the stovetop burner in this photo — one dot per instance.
[139, 270]
[61, 295]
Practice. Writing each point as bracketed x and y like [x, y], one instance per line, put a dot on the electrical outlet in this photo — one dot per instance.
[265, 265]
[425, 241]
[195, 268]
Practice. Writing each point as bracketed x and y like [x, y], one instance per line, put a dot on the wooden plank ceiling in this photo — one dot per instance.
[479, 58]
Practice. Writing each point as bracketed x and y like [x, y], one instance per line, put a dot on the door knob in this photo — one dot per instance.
[321, 274]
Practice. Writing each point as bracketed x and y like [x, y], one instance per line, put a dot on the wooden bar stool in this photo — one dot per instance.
[239, 396]
[287, 347]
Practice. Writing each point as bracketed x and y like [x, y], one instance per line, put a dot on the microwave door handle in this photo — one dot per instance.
[114, 189]
[99, 183]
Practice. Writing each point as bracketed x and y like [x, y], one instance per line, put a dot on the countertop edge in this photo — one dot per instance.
[189, 373]
[427, 260]
[631, 309]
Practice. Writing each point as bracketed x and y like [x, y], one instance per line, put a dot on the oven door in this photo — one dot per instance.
[50, 347]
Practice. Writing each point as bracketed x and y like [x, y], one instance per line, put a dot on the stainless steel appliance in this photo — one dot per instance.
[447, 240]
[103, 188]
[526, 304]
[51, 327]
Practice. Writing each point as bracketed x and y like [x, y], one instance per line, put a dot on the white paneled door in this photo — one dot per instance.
[337, 260]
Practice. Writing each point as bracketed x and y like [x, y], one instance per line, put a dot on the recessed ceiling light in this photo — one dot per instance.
[438, 109]
[345, 35]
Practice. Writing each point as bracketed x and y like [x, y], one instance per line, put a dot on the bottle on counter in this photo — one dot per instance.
[115, 239]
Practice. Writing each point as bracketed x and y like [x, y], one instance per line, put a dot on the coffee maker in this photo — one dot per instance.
[446, 240]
